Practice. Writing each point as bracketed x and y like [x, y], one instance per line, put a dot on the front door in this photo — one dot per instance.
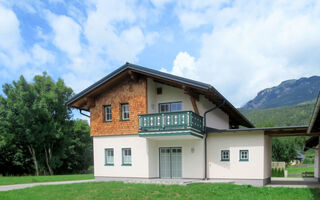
[170, 162]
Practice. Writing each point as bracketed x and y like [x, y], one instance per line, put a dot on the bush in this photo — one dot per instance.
[277, 172]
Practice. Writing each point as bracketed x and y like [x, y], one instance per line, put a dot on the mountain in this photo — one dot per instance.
[288, 93]
[282, 116]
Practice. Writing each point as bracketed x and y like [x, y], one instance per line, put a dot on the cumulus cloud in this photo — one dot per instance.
[41, 56]
[111, 33]
[66, 33]
[253, 45]
[11, 55]
[184, 65]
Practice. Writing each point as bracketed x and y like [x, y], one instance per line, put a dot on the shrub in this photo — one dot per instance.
[277, 172]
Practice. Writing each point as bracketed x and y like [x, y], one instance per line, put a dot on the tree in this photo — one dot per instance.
[283, 149]
[36, 130]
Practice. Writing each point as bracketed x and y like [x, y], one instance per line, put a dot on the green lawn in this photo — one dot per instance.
[119, 190]
[297, 169]
[10, 180]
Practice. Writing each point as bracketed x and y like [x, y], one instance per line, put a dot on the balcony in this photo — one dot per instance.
[172, 123]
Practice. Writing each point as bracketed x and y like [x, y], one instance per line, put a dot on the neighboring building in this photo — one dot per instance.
[150, 124]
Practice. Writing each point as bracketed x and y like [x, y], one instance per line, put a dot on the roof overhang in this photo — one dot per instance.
[314, 125]
[274, 131]
[84, 99]
[311, 142]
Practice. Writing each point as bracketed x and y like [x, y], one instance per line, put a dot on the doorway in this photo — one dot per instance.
[170, 162]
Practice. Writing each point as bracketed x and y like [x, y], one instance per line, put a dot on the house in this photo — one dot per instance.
[150, 124]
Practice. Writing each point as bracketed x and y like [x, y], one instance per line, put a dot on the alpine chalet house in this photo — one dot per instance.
[150, 124]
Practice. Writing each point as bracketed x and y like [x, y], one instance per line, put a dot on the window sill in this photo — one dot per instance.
[224, 160]
[108, 164]
[124, 119]
[108, 121]
[126, 165]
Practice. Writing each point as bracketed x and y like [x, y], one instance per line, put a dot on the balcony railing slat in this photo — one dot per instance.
[172, 120]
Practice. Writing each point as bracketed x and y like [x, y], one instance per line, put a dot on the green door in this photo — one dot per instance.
[170, 162]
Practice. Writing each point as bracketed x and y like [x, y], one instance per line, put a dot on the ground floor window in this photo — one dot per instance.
[225, 155]
[126, 156]
[244, 155]
[109, 158]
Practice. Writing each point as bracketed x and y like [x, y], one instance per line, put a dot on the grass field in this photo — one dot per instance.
[298, 169]
[119, 190]
[11, 180]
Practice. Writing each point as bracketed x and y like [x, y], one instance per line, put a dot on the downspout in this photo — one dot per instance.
[83, 113]
[205, 137]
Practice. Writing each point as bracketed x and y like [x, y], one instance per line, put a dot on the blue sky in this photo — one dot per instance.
[238, 46]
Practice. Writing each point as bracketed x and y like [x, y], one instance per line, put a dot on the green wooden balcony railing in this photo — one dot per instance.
[171, 121]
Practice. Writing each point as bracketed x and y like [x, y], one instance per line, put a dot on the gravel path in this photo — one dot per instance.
[21, 186]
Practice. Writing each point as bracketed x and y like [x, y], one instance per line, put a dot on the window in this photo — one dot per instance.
[125, 111]
[170, 107]
[109, 158]
[244, 155]
[225, 155]
[126, 156]
[107, 113]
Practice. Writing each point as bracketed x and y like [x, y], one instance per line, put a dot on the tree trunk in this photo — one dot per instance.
[34, 158]
[48, 157]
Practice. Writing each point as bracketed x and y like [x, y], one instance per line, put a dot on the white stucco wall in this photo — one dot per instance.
[145, 156]
[192, 161]
[254, 141]
[138, 145]
[216, 119]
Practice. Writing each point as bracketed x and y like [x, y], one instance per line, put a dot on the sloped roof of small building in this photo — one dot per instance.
[198, 87]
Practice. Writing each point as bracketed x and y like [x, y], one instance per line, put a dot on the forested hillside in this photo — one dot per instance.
[283, 116]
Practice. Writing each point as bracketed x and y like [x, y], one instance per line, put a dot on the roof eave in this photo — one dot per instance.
[315, 114]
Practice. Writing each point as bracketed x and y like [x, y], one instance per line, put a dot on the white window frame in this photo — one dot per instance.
[125, 111]
[107, 113]
[223, 155]
[169, 104]
[126, 156]
[244, 155]
[108, 157]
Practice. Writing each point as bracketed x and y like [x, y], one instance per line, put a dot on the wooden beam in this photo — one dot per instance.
[194, 104]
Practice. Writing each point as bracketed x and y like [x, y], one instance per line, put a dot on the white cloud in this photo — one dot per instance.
[253, 45]
[111, 33]
[67, 33]
[185, 65]
[41, 56]
[11, 55]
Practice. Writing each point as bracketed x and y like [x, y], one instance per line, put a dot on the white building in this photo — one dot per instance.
[150, 124]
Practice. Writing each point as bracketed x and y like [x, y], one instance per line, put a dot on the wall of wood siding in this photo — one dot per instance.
[132, 92]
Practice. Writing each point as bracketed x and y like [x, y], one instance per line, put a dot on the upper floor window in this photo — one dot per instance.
[107, 113]
[170, 107]
[125, 111]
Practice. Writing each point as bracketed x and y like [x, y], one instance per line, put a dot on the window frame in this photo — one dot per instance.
[244, 159]
[105, 157]
[122, 152]
[221, 155]
[105, 113]
[170, 106]
[123, 112]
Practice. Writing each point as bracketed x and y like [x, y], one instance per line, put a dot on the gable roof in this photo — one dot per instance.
[202, 88]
